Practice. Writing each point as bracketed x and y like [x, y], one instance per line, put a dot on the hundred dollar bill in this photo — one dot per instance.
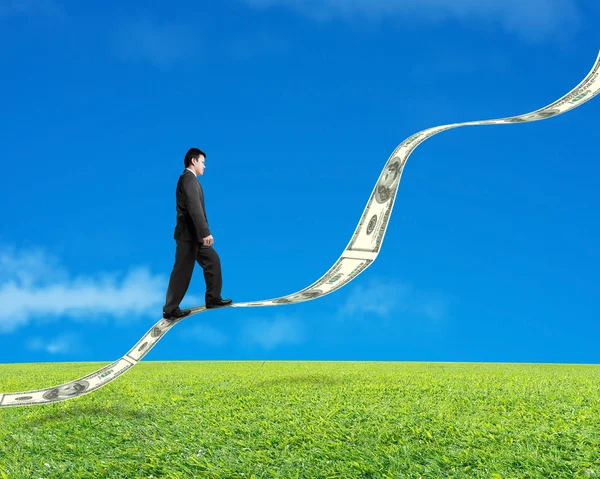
[362, 249]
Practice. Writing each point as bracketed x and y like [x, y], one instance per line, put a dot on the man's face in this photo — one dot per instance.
[200, 165]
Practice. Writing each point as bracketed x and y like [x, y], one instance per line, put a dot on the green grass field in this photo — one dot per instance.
[307, 420]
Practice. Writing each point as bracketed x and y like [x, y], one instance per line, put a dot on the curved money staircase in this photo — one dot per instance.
[359, 254]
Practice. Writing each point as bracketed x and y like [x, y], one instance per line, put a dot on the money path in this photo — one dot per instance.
[359, 254]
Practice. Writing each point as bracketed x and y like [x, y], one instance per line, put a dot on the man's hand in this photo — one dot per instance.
[208, 241]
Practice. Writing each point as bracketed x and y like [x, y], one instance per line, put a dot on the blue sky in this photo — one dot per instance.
[491, 253]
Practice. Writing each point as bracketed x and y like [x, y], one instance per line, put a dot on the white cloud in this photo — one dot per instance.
[29, 267]
[34, 285]
[271, 333]
[382, 298]
[65, 343]
[267, 333]
[159, 44]
[533, 19]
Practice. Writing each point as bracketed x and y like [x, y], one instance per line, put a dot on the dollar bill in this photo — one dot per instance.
[69, 390]
[362, 249]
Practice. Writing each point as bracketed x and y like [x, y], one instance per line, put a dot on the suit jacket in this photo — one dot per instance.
[192, 223]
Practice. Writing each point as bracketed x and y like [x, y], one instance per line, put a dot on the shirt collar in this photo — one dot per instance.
[191, 171]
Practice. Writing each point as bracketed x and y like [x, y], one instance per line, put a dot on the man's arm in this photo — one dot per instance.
[191, 194]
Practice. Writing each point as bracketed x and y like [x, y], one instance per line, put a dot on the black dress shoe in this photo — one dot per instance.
[177, 314]
[218, 304]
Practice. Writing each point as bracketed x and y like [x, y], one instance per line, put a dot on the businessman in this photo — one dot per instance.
[194, 242]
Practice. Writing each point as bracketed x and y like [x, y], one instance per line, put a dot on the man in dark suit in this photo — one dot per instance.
[194, 242]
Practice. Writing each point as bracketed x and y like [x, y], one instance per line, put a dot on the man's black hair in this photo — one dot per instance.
[192, 154]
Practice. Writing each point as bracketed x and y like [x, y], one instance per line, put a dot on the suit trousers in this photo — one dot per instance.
[186, 255]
